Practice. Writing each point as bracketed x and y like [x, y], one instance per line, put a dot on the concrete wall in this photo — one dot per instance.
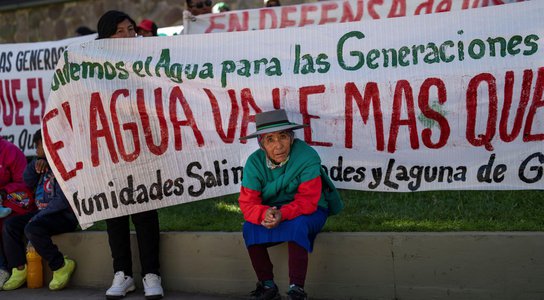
[465, 265]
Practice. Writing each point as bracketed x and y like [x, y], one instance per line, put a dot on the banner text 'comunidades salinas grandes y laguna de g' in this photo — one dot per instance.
[434, 102]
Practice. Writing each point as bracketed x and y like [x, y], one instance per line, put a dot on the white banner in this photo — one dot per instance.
[324, 12]
[435, 102]
[26, 69]
[25, 77]
[170, 31]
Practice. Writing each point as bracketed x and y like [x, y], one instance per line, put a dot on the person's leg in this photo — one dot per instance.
[3, 263]
[298, 267]
[3, 258]
[40, 231]
[4, 274]
[266, 288]
[13, 243]
[261, 262]
[298, 264]
[148, 234]
[119, 239]
[12, 239]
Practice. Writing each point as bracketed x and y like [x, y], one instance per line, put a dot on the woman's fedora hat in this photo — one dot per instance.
[272, 121]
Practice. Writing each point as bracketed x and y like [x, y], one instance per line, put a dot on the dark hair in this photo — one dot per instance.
[209, 3]
[107, 25]
[154, 29]
[272, 3]
[37, 136]
[84, 30]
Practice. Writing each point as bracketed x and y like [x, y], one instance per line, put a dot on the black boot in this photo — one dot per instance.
[296, 293]
[263, 292]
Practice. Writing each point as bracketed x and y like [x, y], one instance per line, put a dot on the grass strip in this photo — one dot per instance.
[379, 211]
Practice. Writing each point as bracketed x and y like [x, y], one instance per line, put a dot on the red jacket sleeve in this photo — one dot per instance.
[305, 202]
[250, 204]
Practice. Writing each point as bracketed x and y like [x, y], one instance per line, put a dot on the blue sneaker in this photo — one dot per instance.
[4, 211]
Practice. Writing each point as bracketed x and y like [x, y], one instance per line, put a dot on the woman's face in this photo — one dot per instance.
[125, 29]
[277, 145]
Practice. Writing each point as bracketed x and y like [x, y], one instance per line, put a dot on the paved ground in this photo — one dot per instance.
[72, 293]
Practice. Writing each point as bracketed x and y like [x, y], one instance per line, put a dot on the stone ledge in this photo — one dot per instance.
[459, 265]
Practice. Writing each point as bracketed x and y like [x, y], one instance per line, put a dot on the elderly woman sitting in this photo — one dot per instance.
[285, 197]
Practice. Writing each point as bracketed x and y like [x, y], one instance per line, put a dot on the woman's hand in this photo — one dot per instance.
[41, 166]
[272, 218]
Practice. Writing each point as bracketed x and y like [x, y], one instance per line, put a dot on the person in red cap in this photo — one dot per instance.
[147, 28]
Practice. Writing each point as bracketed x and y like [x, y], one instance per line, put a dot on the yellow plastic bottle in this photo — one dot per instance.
[34, 268]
